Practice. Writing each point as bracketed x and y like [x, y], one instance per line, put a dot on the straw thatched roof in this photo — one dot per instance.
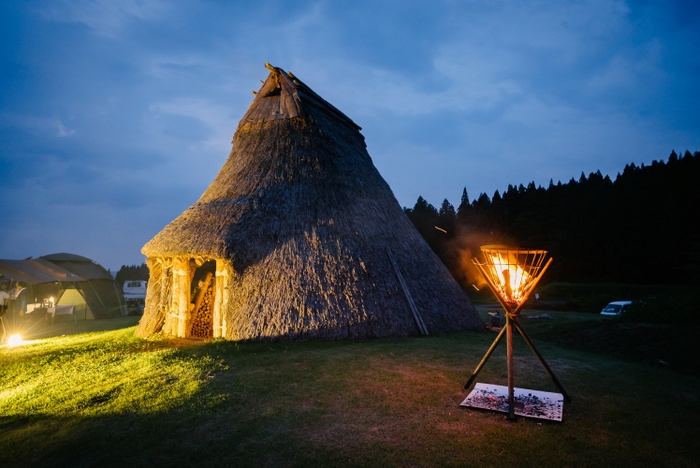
[305, 220]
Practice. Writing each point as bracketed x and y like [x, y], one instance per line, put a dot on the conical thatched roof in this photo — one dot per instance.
[306, 221]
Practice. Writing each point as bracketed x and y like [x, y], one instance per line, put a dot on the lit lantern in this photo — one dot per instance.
[512, 274]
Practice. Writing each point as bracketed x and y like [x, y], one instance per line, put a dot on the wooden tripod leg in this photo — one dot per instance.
[484, 359]
[509, 356]
[567, 398]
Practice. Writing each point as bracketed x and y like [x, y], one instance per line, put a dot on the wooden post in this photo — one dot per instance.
[416, 315]
[218, 292]
[509, 355]
[225, 285]
[165, 286]
[219, 299]
[484, 359]
[529, 342]
[181, 296]
[170, 300]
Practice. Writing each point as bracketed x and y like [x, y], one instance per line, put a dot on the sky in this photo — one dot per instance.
[115, 115]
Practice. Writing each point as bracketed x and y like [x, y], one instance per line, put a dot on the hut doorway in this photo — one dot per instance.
[191, 296]
[203, 294]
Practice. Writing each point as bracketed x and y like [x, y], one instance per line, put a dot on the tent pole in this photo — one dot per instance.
[82, 293]
[98, 297]
[122, 306]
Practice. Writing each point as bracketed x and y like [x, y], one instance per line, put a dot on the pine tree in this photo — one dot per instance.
[447, 218]
[464, 210]
[132, 272]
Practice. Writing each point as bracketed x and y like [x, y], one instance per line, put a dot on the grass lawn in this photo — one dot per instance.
[106, 398]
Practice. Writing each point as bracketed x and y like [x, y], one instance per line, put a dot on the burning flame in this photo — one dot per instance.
[512, 278]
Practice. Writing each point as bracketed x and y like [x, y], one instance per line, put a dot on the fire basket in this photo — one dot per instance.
[512, 274]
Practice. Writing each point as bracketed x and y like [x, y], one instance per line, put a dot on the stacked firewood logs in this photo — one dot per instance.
[203, 308]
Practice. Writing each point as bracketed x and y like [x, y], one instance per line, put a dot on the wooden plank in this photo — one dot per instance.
[416, 315]
[218, 292]
[181, 275]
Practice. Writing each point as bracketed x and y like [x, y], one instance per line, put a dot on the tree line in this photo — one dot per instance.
[638, 228]
[132, 272]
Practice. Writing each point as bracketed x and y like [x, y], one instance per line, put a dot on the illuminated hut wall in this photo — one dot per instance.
[186, 296]
[300, 234]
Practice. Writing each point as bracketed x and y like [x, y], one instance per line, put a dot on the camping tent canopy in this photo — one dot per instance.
[51, 275]
[102, 294]
[81, 266]
[36, 271]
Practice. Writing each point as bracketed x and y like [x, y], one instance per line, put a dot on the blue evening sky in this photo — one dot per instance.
[115, 115]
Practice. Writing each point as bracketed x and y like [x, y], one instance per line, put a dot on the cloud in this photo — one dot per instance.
[122, 119]
[46, 126]
[105, 18]
[214, 117]
[171, 66]
[500, 55]
[62, 130]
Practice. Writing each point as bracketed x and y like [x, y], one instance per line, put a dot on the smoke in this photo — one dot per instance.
[467, 245]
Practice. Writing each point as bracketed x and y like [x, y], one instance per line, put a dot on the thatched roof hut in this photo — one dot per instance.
[298, 236]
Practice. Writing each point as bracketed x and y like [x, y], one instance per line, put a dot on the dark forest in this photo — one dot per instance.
[636, 229]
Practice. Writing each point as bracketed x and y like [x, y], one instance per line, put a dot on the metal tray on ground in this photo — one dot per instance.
[528, 403]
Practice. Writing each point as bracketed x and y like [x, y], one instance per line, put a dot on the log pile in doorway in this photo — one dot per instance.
[203, 308]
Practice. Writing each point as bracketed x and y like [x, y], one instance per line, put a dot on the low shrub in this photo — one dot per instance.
[680, 307]
[589, 297]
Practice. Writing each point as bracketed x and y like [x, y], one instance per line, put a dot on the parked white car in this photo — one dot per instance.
[135, 289]
[616, 308]
[135, 295]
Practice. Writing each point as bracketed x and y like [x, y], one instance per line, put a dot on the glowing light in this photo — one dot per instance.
[512, 277]
[512, 273]
[15, 340]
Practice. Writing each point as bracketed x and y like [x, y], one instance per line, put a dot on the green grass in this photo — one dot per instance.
[106, 398]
